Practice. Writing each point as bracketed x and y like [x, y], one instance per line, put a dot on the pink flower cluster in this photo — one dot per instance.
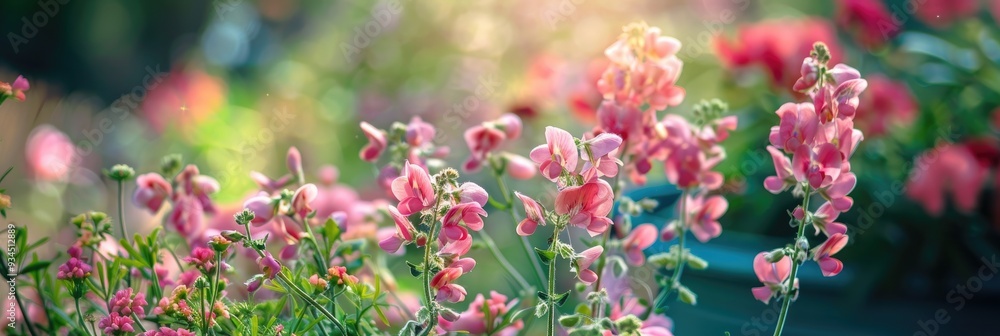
[821, 138]
[484, 141]
[74, 268]
[189, 195]
[16, 89]
[412, 142]
[164, 331]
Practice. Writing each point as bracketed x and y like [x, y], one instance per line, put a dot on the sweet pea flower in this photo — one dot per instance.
[510, 124]
[293, 160]
[457, 247]
[474, 320]
[447, 290]
[376, 142]
[623, 120]
[471, 192]
[263, 208]
[597, 155]
[947, 169]
[823, 254]
[798, 126]
[467, 213]
[772, 275]
[482, 139]
[818, 166]
[519, 167]
[49, 154]
[419, 133]
[151, 190]
[269, 185]
[558, 155]
[824, 220]
[703, 216]
[413, 189]
[303, 198]
[269, 265]
[840, 99]
[836, 194]
[639, 239]
[688, 167]
[582, 262]
[534, 215]
[404, 232]
[783, 169]
[587, 205]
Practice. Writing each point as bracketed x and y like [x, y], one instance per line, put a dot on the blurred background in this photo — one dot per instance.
[231, 84]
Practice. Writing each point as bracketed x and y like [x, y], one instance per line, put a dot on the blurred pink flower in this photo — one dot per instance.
[941, 13]
[534, 215]
[783, 169]
[404, 232]
[703, 216]
[887, 102]
[519, 167]
[946, 169]
[263, 207]
[870, 22]
[164, 331]
[182, 98]
[302, 200]
[777, 45]
[16, 89]
[49, 154]
[268, 265]
[413, 190]
[587, 205]
[474, 320]
[644, 69]
[582, 262]
[823, 254]
[639, 239]
[558, 155]
[376, 142]
[481, 139]
[597, 157]
[419, 133]
[202, 258]
[151, 191]
[772, 275]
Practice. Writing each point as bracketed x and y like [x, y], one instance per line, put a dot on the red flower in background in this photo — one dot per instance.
[947, 169]
[778, 45]
[887, 102]
[869, 21]
[941, 13]
[184, 97]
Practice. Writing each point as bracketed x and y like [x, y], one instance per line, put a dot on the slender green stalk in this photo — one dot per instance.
[551, 328]
[79, 316]
[432, 321]
[138, 322]
[513, 216]
[27, 321]
[681, 262]
[789, 287]
[503, 261]
[121, 209]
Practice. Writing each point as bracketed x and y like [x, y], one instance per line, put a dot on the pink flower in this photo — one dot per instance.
[624, 120]
[376, 142]
[302, 200]
[783, 169]
[799, 125]
[413, 189]
[481, 139]
[187, 217]
[639, 239]
[941, 13]
[946, 169]
[819, 167]
[447, 290]
[268, 185]
[468, 213]
[125, 304]
[74, 268]
[772, 275]
[202, 258]
[836, 194]
[263, 208]
[840, 99]
[471, 192]
[823, 254]
[519, 167]
[116, 325]
[587, 205]
[534, 215]
[404, 232]
[419, 133]
[294, 161]
[867, 21]
[582, 262]
[886, 103]
[164, 331]
[644, 69]
[268, 265]
[476, 321]
[597, 155]
[687, 167]
[151, 190]
[49, 154]
[510, 124]
[558, 155]
[17, 89]
[703, 216]
[824, 220]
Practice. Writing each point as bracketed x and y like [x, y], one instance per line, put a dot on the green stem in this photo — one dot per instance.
[24, 313]
[681, 262]
[79, 316]
[789, 287]
[551, 328]
[524, 240]
[121, 209]
[503, 261]
[138, 322]
[204, 314]
[432, 321]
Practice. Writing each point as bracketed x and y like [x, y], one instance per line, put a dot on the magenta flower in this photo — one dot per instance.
[164, 331]
[302, 200]
[772, 275]
[254, 283]
[639, 239]
[468, 213]
[268, 265]
[151, 190]
[703, 216]
[558, 155]
[534, 215]
[946, 170]
[819, 167]
[404, 232]
[688, 167]
[202, 258]
[840, 99]
[836, 194]
[263, 208]
[887, 103]
[294, 161]
[587, 205]
[269, 185]
[413, 189]
[799, 125]
[125, 304]
[17, 89]
[49, 154]
[823, 254]
[582, 262]
[187, 217]
[447, 290]
[74, 268]
[419, 132]
[116, 325]
[376, 142]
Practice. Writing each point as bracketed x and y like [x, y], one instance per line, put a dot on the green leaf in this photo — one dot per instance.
[545, 256]
[561, 298]
[543, 296]
[569, 321]
[331, 230]
[415, 270]
[35, 266]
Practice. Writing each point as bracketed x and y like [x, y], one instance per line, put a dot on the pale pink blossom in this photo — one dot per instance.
[376, 142]
[772, 275]
[302, 200]
[558, 155]
[49, 154]
[703, 216]
[534, 215]
[639, 239]
[582, 262]
[151, 191]
[519, 167]
[413, 189]
[798, 126]
[587, 205]
[823, 254]
[819, 166]
[404, 232]
[824, 220]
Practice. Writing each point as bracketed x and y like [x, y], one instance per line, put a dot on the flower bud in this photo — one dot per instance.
[254, 283]
[319, 284]
[244, 217]
[687, 296]
[294, 161]
[232, 235]
[695, 262]
[799, 213]
[219, 243]
[120, 172]
[449, 315]
[775, 256]
[510, 124]
[669, 232]
[201, 283]
[802, 243]
[170, 164]
[648, 204]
